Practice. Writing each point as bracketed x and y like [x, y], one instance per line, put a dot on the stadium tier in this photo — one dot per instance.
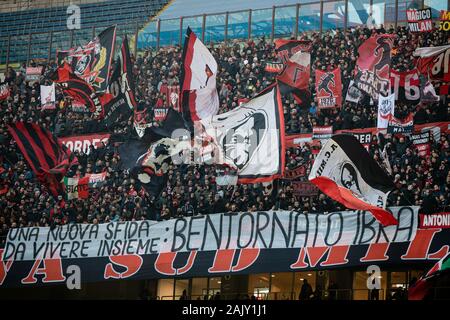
[40, 23]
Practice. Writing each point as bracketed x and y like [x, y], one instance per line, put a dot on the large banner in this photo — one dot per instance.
[437, 128]
[82, 143]
[329, 89]
[217, 244]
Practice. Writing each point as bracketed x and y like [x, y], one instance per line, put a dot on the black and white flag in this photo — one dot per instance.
[249, 138]
[346, 172]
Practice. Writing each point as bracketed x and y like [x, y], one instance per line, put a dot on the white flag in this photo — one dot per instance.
[48, 97]
[199, 97]
[386, 106]
[250, 138]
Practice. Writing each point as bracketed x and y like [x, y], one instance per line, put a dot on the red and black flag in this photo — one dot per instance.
[199, 97]
[122, 88]
[92, 61]
[329, 88]
[128, 85]
[48, 158]
[421, 290]
[373, 65]
[434, 62]
[294, 77]
[80, 90]
[346, 172]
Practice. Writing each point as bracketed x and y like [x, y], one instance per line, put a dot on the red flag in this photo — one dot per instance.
[48, 158]
[294, 77]
[329, 89]
[373, 65]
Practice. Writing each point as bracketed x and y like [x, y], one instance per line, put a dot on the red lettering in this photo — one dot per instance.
[4, 267]
[336, 256]
[246, 258]
[439, 254]
[419, 246]
[52, 271]
[164, 263]
[376, 252]
[222, 261]
[131, 262]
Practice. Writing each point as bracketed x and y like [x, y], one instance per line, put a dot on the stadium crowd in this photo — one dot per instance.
[191, 189]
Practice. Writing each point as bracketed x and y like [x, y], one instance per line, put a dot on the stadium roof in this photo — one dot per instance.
[185, 8]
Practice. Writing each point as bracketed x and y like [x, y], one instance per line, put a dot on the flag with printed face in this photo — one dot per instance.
[199, 97]
[386, 106]
[250, 138]
[346, 172]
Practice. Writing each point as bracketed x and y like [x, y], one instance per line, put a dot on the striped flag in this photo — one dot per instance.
[77, 188]
[48, 158]
[421, 289]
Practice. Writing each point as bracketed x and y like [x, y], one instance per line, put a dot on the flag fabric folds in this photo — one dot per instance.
[250, 138]
[92, 61]
[199, 97]
[421, 288]
[48, 158]
[346, 172]
[294, 77]
[80, 90]
[77, 188]
[373, 65]
[122, 89]
[434, 62]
